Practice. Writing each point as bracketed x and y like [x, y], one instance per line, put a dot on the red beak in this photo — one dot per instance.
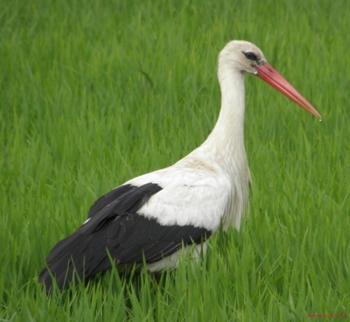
[277, 81]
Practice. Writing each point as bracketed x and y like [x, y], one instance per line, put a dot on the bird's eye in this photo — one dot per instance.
[250, 55]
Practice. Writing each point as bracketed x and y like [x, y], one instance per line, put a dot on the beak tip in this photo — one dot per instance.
[277, 81]
[317, 115]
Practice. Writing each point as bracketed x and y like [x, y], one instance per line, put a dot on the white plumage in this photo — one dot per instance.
[210, 185]
[152, 216]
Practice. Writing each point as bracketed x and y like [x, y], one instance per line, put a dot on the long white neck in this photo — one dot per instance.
[224, 147]
[226, 141]
[225, 144]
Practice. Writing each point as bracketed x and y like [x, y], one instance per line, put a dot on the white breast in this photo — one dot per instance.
[194, 193]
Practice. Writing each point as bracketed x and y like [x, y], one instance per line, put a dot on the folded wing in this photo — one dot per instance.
[135, 223]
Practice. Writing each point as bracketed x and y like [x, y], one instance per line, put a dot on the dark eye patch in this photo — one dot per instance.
[250, 55]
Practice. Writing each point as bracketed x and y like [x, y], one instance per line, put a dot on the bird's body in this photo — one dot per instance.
[152, 217]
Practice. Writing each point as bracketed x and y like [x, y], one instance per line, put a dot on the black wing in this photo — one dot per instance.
[116, 230]
[111, 196]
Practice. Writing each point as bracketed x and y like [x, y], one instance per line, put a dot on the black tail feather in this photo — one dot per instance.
[78, 257]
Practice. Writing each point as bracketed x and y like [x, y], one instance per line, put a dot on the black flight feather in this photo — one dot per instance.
[116, 229]
[108, 198]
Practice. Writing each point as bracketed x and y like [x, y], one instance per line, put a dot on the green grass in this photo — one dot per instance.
[93, 93]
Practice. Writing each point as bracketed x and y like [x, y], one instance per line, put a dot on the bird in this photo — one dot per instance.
[154, 218]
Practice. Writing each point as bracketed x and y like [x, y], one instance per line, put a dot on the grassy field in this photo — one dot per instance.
[95, 92]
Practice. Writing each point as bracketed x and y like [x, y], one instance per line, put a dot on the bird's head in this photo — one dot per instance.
[244, 57]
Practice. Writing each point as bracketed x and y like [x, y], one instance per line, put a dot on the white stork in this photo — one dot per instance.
[152, 217]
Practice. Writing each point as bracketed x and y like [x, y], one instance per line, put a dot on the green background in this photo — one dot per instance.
[93, 93]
